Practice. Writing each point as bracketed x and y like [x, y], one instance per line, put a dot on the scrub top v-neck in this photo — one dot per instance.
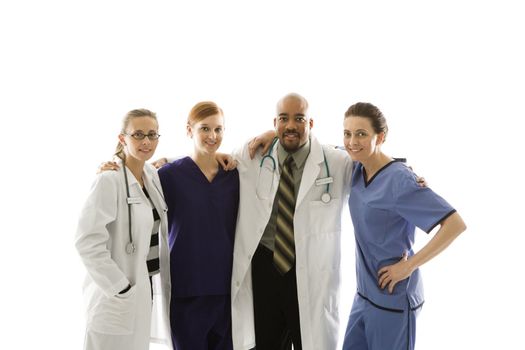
[201, 221]
[385, 211]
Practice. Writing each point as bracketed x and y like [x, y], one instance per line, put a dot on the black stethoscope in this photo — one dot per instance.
[130, 247]
[325, 197]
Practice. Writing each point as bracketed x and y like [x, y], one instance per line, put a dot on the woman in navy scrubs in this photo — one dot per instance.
[202, 202]
[386, 204]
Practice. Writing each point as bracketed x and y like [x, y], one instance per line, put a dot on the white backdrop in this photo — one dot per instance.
[448, 75]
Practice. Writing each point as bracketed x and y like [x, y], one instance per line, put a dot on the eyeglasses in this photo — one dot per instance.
[152, 136]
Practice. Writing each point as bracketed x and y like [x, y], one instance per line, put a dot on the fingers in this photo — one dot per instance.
[232, 164]
[257, 142]
[385, 281]
[252, 146]
[382, 271]
[104, 166]
[266, 147]
[159, 162]
[391, 286]
[228, 164]
[223, 163]
[384, 278]
[109, 165]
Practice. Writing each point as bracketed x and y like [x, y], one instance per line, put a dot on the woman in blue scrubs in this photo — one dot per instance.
[202, 202]
[386, 204]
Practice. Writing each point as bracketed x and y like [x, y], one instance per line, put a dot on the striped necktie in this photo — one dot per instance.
[284, 251]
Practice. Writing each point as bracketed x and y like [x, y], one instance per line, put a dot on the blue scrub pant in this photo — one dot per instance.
[371, 327]
[201, 323]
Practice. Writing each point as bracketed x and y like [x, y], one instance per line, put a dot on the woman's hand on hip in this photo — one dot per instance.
[390, 275]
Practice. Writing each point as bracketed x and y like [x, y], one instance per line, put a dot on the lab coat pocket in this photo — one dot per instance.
[116, 314]
[265, 179]
[325, 217]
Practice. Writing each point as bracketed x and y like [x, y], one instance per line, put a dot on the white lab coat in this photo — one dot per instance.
[317, 232]
[126, 321]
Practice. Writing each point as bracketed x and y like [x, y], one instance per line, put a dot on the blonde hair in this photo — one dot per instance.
[136, 113]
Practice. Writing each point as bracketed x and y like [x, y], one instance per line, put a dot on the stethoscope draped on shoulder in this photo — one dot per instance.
[268, 166]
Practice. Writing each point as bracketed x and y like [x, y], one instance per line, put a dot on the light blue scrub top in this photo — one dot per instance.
[385, 211]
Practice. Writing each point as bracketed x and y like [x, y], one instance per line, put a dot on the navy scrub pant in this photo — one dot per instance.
[201, 323]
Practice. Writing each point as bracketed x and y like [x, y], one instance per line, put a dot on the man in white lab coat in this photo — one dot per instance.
[278, 302]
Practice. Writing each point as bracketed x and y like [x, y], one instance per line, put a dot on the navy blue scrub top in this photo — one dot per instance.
[201, 221]
[385, 212]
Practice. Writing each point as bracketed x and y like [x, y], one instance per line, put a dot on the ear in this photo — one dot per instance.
[381, 137]
[122, 140]
[275, 123]
[311, 123]
[189, 132]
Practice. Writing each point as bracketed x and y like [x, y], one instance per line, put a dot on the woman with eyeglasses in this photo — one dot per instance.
[203, 200]
[122, 241]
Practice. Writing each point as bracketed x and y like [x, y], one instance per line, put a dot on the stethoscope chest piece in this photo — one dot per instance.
[325, 198]
[130, 248]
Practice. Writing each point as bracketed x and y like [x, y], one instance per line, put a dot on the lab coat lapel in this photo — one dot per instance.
[311, 170]
[132, 181]
[154, 189]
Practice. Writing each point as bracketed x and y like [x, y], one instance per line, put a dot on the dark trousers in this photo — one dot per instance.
[201, 323]
[276, 307]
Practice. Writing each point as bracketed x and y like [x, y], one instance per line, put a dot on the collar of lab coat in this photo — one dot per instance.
[151, 183]
[311, 168]
[154, 188]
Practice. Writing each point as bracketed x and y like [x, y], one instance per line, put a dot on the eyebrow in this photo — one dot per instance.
[356, 130]
[296, 115]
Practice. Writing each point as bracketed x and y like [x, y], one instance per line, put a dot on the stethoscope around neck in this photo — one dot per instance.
[130, 246]
[325, 197]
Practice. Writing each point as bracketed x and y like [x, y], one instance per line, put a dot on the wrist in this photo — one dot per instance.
[412, 264]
